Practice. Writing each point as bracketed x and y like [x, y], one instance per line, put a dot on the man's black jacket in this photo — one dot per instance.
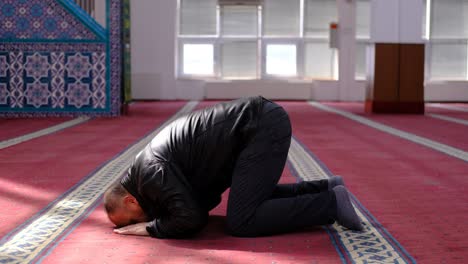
[181, 174]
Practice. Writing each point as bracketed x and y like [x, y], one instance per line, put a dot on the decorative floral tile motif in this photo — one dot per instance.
[19, 98]
[78, 66]
[56, 80]
[3, 65]
[39, 19]
[78, 94]
[37, 66]
[37, 94]
[4, 93]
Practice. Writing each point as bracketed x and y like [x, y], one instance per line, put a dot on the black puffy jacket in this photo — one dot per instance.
[180, 175]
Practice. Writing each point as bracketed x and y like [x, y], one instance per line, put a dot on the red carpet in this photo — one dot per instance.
[11, 128]
[447, 112]
[36, 172]
[418, 195]
[94, 242]
[448, 133]
[456, 107]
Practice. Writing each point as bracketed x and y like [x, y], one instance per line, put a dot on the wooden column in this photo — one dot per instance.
[396, 57]
[396, 78]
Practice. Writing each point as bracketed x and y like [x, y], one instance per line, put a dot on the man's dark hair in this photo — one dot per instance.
[112, 197]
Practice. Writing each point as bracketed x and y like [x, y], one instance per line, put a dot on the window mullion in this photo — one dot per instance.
[261, 51]
[466, 42]
[300, 59]
[301, 18]
[300, 50]
[216, 44]
[428, 19]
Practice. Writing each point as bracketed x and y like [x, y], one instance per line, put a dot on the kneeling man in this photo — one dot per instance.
[180, 175]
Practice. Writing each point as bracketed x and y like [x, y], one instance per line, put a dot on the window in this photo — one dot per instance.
[198, 59]
[281, 18]
[239, 60]
[277, 39]
[239, 21]
[321, 61]
[447, 34]
[198, 17]
[448, 61]
[318, 16]
[445, 28]
[281, 60]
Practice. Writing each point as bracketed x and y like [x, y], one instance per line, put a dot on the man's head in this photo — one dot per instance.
[122, 208]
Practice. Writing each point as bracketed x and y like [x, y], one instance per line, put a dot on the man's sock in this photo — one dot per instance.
[335, 181]
[346, 215]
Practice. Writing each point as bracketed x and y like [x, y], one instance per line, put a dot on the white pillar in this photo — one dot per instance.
[397, 21]
[395, 57]
[347, 48]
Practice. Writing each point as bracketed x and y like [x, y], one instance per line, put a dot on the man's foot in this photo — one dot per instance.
[335, 181]
[346, 215]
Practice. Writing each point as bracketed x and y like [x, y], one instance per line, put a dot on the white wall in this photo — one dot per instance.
[449, 91]
[153, 49]
[396, 21]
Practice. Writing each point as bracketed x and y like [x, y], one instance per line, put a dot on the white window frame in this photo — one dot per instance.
[335, 59]
[430, 41]
[299, 58]
[361, 40]
[448, 41]
[232, 39]
[262, 41]
[365, 42]
[180, 61]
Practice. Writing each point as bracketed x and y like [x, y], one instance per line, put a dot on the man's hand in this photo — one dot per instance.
[136, 230]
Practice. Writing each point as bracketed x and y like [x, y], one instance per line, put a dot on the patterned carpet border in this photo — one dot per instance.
[46, 131]
[33, 240]
[451, 151]
[375, 244]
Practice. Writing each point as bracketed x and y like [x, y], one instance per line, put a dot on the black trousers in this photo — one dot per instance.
[257, 204]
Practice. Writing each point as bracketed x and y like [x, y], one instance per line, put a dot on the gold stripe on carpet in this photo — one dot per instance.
[46, 131]
[449, 107]
[451, 151]
[450, 119]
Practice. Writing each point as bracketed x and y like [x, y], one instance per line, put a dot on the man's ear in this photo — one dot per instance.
[129, 200]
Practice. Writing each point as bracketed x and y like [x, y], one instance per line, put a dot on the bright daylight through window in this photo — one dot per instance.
[290, 39]
[258, 40]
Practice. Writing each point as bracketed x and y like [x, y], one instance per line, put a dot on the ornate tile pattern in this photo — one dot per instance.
[39, 19]
[16, 80]
[58, 77]
[4, 93]
[99, 80]
[3, 65]
[56, 80]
